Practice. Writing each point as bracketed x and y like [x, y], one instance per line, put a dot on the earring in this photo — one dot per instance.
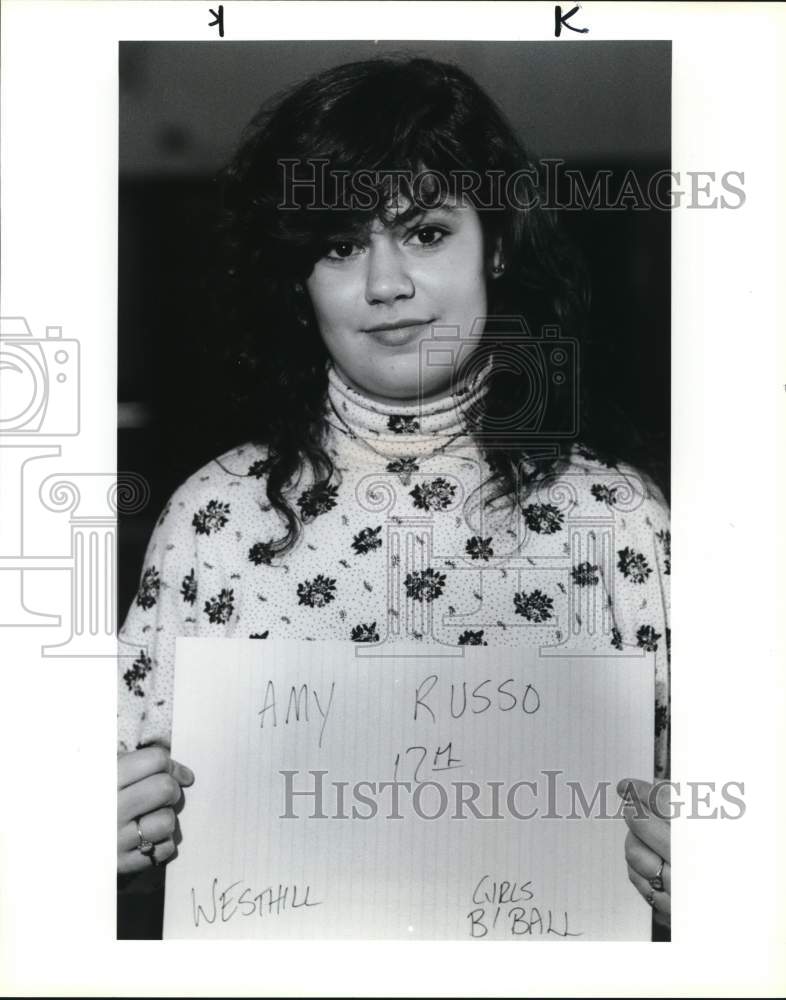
[498, 269]
[300, 291]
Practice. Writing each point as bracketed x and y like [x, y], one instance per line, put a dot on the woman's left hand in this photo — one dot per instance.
[648, 845]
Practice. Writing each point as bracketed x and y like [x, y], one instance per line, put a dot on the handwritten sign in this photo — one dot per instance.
[345, 791]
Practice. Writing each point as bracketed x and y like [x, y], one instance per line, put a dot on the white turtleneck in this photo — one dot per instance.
[401, 546]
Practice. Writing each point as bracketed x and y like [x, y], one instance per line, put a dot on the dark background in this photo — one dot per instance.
[596, 105]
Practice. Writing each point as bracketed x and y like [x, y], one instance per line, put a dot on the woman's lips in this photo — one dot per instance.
[398, 335]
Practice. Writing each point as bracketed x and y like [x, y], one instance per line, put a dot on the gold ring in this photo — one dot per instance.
[657, 879]
[144, 846]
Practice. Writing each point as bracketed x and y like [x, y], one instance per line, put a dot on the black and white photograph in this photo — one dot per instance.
[396, 379]
[389, 421]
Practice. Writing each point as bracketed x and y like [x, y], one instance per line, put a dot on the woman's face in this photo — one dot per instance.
[377, 302]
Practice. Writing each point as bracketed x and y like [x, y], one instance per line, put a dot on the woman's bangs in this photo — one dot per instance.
[343, 203]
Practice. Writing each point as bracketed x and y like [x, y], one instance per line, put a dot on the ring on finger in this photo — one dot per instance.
[656, 882]
[650, 897]
[145, 846]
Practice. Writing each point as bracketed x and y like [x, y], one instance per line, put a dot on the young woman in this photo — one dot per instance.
[403, 314]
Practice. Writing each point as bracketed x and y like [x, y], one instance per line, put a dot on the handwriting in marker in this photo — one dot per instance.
[298, 701]
[497, 904]
[219, 20]
[459, 703]
[561, 19]
[271, 901]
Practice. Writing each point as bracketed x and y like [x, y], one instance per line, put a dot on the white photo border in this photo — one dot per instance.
[59, 254]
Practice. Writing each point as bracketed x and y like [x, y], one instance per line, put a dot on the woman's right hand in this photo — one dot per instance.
[148, 789]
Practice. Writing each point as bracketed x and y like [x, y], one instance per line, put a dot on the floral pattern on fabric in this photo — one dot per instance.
[365, 633]
[259, 469]
[219, 608]
[425, 585]
[367, 540]
[261, 553]
[544, 518]
[470, 638]
[605, 494]
[188, 587]
[585, 575]
[664, 537]
[316, 500]
[138, 671]
[147, 595]
[436, 494]
[479, 548]
[318, 592]
[403, 424]
[404, 468]
[647, 638]
[534, 606]
[633, 565]
[211, 518]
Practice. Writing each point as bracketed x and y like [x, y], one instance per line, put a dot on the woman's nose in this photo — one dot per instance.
[387, 278]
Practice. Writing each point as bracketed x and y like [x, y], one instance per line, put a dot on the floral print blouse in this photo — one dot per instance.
[401, 546]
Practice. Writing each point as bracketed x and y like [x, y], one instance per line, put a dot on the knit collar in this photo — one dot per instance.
[404, 429]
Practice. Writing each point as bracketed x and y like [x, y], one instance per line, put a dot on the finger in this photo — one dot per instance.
[647, 796]
[154, 792]
[639, 793]
[645, 861]
[643, 814]
[634, 786]
[139, 764]
[129, 862]
[661, 901]
[155, 826]
[183, 775]
[651, 830]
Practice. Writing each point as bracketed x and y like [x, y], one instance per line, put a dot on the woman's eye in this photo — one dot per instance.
[341, 250]
[429, 236]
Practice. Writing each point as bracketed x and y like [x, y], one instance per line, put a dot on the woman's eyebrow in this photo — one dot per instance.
[426, 212]
[351, 231]
[444, 206]
[405, 220]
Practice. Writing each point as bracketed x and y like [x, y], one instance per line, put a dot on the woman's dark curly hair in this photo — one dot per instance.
[393, 119]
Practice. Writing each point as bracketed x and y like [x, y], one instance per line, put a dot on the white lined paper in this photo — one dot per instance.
[241, 867]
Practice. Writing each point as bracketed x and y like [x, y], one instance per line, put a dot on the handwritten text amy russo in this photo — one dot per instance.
[433, 700]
